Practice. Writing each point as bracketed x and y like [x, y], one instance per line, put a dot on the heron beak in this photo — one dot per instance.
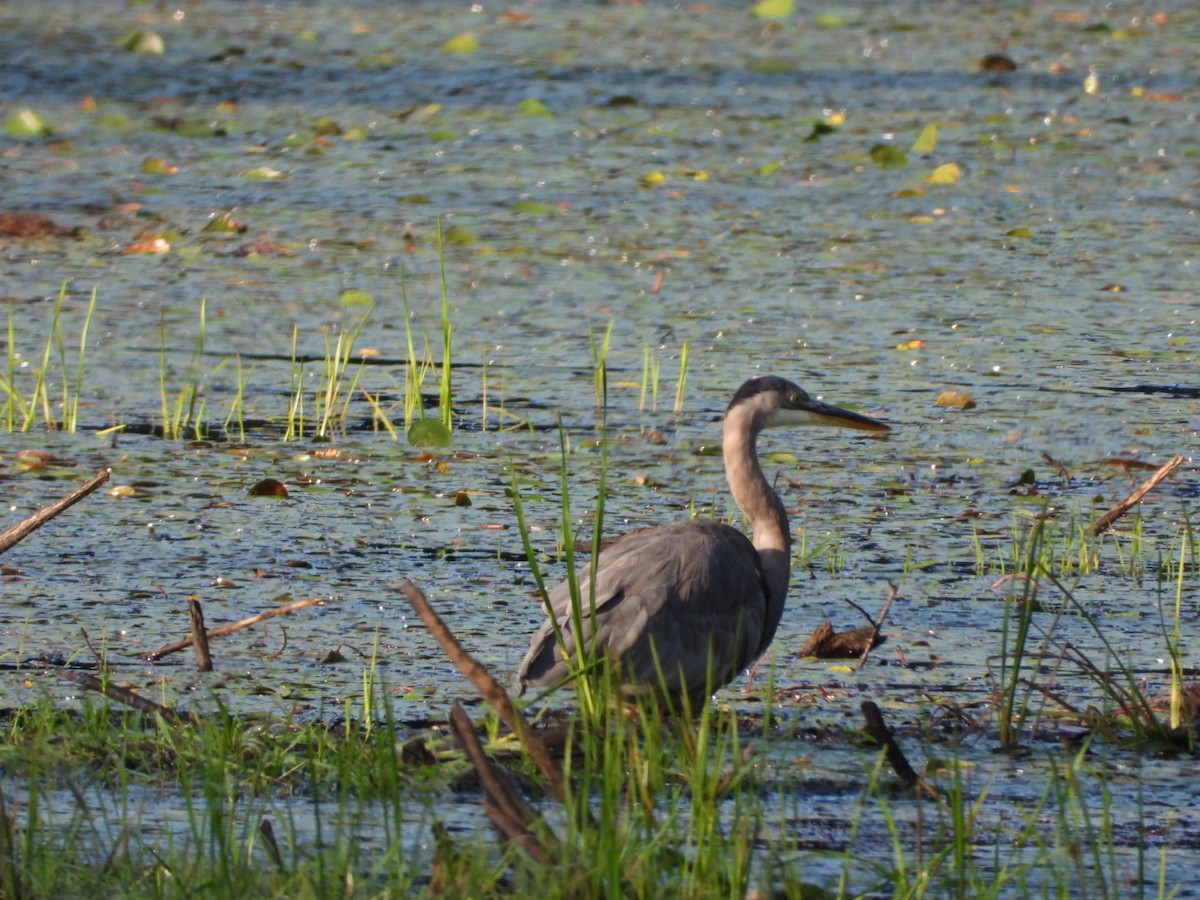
[826, 414]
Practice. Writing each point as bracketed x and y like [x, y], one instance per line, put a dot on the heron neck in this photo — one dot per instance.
[761, 505]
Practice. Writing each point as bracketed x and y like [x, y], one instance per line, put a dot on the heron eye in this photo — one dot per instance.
[794, 398]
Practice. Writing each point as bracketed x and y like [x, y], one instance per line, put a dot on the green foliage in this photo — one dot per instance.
[774, 9]
[20, 411]
[888, 156]
[184, 407]
[25, 123]
[927, 140]
[531, 106]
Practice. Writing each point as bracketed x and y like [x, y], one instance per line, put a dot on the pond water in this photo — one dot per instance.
[700, 181]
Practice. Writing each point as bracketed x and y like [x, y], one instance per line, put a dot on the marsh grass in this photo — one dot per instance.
[294, 417]
[183, 405]
[417, 368]
[107, 834]
[22, 411]
[47, 391]
[1039, 667]
[338, 384]
[237, 404]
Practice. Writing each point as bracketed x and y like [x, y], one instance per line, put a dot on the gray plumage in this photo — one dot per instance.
[685, 607]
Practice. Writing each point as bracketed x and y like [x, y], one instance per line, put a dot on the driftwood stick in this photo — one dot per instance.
[199, 636]
[14, 533]
[126, 696]
[878, 624]
[223, 630]
[492, 690]
[504, 805]
[101, 662]
[877, 728]
[1164, 471]
[267, 832]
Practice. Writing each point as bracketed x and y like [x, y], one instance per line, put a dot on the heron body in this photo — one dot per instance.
[683, 608]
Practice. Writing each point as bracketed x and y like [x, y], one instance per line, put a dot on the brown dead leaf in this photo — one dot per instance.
[956, 399]
[268, 487]
[28, 225]
[151, 243]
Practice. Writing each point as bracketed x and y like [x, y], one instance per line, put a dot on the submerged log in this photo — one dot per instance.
[825, 643]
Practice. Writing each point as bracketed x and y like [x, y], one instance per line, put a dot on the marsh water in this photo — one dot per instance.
[701, 182]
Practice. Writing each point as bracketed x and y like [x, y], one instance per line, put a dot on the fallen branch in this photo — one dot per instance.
[1101, 524]
[224, 630]
[199, 636]
[492, 690]
[128, 697]
[22, 529]
[510, 813]
[267, 832]
[878, 624]
[877, 728]
[825, 643]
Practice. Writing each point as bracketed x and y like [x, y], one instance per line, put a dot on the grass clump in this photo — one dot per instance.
[24, 408]
[1041, 669]
[158, 809]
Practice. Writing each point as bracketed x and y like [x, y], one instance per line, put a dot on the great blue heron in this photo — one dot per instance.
[684, 608]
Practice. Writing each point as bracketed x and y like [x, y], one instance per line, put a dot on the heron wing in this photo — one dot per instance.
[686, 600]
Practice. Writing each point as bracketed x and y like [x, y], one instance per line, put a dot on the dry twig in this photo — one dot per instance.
[878, 624]
[504, 805]
[199, 636]
[877, 728]
[15, 533]
[1102, 523]
[492, 690]
[128, 697]
[224, 630]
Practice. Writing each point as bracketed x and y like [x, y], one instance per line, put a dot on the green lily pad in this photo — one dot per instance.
[354, 297]
[461, 44]
[926, 141]
[456, 234]
[774, 9]
[264, 173]
[27, 123]
[819, 130]
[531, 106]
[831, 20]
[429, 433]
[533, 208]
[888, 156]
[224, 223]
[143, 42]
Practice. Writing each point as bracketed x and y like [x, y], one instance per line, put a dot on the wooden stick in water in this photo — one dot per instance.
[509, 811]
[199, 636]
[22, 529]
[1102, 523]
[492, 690]
[877, 728]
[223, 630]
[126, 696]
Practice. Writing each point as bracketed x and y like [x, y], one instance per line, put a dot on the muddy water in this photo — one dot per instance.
[666, 186]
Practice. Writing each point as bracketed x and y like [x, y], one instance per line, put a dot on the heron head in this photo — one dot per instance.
[776, 401]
